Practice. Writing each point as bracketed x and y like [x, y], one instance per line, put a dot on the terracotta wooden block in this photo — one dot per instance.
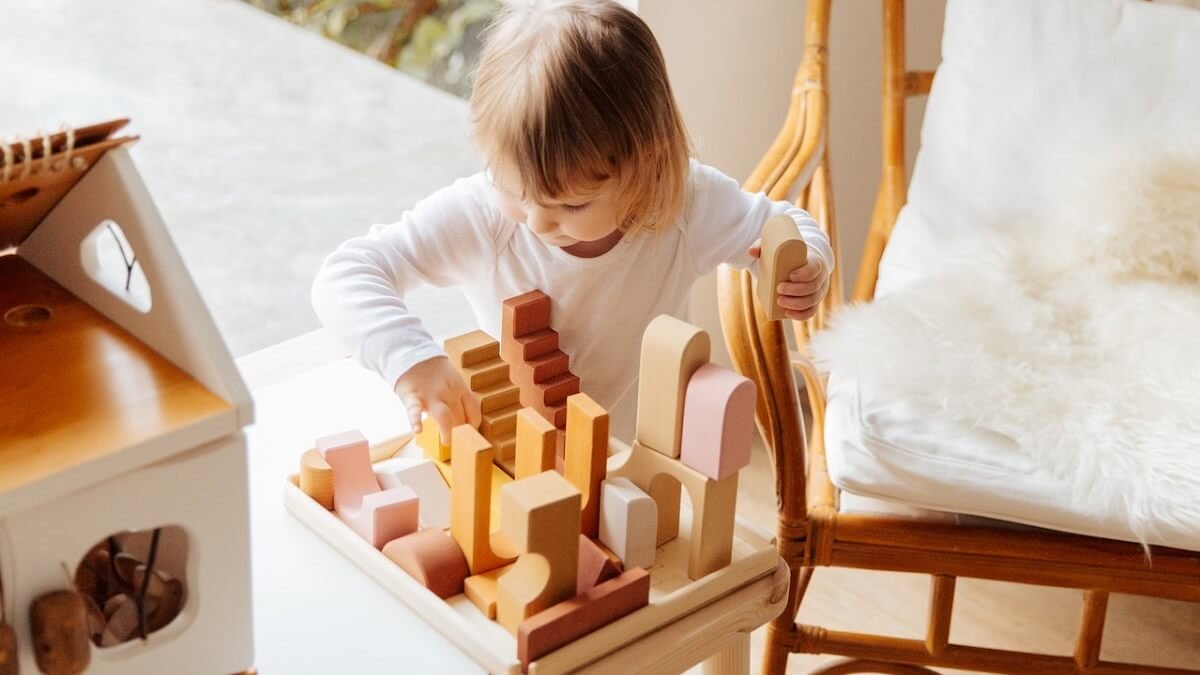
[536, 438]
[485, 374]
[718, 421]
[316, 478]
[498, 396]
[540, 516]
[595, 566]
[568, 621]
[378, 516]
[713, 503]
[783, 250]
[432, 558]
[58, 626]
[471, 498]
[481, 590]
[628, 520]
[430, 441]
[672, 351]
[556, 389]
[499, 423]
[8, 649]
[587, 456]
[549, 365]
[526, 313]
[536, 344]
[423, 478]
[472, 349]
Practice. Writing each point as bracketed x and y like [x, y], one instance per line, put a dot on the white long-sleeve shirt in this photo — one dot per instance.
[600, 306]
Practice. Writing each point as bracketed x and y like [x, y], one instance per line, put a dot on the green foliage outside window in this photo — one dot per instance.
[434, 40]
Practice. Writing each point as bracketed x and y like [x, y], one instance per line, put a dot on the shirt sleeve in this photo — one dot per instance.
[725, 220]
[447, 239]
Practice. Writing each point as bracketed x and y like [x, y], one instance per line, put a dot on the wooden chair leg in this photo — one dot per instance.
[868, 666]
[782, 629]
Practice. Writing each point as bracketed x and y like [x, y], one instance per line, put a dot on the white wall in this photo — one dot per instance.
[732, 65]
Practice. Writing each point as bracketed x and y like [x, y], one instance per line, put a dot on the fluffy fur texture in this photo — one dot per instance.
[1077, 334]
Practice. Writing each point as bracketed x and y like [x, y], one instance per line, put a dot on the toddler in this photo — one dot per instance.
[590, 196]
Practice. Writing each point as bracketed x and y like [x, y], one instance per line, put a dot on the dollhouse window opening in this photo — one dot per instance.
[111, 261]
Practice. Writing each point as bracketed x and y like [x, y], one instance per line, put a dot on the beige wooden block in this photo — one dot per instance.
[481, 590]
[783, 250]
[713, 503]
[627, 522]
[472, 349]
[672, 350]
[536, 439]
[587, 456]
[471, 498]
[540, 516]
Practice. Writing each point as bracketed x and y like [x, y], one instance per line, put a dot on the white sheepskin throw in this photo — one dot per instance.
[1076, 334]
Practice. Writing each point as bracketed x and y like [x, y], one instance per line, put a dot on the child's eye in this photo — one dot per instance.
[572, 208]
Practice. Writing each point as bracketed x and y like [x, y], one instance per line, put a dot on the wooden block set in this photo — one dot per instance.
[552, 555]
[124, 510]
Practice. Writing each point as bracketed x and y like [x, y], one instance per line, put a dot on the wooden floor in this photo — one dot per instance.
[993, 614]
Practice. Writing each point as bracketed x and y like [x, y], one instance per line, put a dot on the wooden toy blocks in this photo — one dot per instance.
[783, 250]
[540, 516]
[718, 421]
[378, 516]
[530, 347]
[536, 441]
[496, 400]
[431, 557]
[672, 351]
[587, 456]
[628, 520]
[423, 478]
[471, 498]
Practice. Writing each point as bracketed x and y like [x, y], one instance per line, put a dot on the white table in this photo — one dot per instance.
[316, 612]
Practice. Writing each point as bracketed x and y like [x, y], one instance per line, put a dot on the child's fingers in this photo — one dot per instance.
[443, 417]
[799, 303]
[756, 249]
[810, 271]
[471, 404]
[413, 406]
[801, 316]
[794, 289]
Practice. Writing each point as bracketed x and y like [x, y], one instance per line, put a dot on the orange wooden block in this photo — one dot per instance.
[536, 344]
[570, 620]
[526, 313]
[596, 565]
[471, 498]
[498, 396]
[432, 558]
[485, 375]
[499, 423]
[316, 478]
[481, 590]
[536, 438]
[783, 250]
[430, 441]
[472, 349]
[540, 516]
[587, 456]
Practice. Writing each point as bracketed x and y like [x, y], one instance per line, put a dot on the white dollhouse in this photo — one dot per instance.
[121, 417]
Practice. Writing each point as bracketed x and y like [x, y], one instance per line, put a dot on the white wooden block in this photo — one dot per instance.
[422, 477]
[628, 522]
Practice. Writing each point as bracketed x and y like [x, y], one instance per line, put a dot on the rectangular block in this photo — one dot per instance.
[526, 313]
[718, 422]
[537, 343]
[481, 590]
[568, 621]
[430, 441]
[499, 423]
[549, 365]
[485, 374]
[422, 476]
[536, 440]
[628, 522]
[472, 349]
[498, 396]
[587, 455]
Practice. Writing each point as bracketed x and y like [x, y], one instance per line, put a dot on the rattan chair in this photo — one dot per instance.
[811, 532]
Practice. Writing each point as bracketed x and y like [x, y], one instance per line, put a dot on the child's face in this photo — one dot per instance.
[582, 214]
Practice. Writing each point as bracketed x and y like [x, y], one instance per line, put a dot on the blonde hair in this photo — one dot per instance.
[575, 92]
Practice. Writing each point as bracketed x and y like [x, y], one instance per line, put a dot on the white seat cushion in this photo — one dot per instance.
[1025, 88]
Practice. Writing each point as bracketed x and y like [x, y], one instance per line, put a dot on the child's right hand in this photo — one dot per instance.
[435, 387]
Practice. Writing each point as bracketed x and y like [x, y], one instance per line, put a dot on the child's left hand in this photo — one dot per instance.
[806, 286]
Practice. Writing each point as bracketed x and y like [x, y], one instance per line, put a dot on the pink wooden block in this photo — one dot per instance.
[718, 421]
[378, 516]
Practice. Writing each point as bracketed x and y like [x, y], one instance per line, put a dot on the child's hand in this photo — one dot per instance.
[804, 289]
[436, 388]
